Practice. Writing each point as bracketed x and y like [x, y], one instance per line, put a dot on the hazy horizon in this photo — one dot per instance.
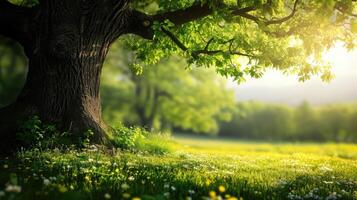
[274, 87]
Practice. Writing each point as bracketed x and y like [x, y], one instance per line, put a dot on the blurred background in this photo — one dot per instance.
[197, 101]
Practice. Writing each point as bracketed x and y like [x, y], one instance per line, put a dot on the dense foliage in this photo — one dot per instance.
[40, 136]
[260, 121]
[244, 38]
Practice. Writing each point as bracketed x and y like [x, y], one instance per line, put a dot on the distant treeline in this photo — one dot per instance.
[258, 121]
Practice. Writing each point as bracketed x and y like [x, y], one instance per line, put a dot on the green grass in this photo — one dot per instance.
[185, 168]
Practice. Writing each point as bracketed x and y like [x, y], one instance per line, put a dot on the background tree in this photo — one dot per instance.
[165, 95]
[262, 121]
[307, 120]
[259, 121]
[334, 122]
[12, 71]
[66, 42]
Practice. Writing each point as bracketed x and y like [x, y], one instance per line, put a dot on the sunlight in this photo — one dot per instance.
[276, 87]
[339, 55]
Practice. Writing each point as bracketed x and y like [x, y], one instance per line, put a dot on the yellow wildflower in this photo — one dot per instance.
[221, 188]
[87, 178]
[208, 182]
[62, 189]
[212, 194]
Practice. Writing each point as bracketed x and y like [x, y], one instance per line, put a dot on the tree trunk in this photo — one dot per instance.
[66, 42]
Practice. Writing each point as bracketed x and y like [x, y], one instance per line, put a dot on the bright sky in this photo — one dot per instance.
[279, 88]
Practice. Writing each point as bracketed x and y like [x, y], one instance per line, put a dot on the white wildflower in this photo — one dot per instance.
[46, 182]
[325, 169]
[328, 182]
[191, 192]
[107, 196]
[332, 196]
[13, 188]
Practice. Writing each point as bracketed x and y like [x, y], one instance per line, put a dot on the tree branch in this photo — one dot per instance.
[284, 19]
[248, 16]
[348, 13]
[206, 50]
[198, 11]
[208, 43]
[213, 52]
[14, 21]
[174, 39]
[243, 12]
[182, 16]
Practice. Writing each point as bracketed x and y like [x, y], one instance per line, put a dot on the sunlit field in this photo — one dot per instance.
[197, 145]
[184, 168]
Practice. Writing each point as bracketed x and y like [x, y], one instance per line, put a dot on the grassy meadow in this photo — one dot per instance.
[184, 168]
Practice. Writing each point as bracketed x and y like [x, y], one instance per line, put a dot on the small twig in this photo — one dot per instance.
[174, 39]
[244, 13]
[208, 43]
[348, 13]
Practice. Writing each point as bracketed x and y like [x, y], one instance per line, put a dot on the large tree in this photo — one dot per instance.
[66, 42]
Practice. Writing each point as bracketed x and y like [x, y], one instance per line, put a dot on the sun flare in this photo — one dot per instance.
[338, 55]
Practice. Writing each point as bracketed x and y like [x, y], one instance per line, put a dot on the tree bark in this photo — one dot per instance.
[66, 42]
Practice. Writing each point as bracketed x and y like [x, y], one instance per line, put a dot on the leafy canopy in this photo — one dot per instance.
[288, 35]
